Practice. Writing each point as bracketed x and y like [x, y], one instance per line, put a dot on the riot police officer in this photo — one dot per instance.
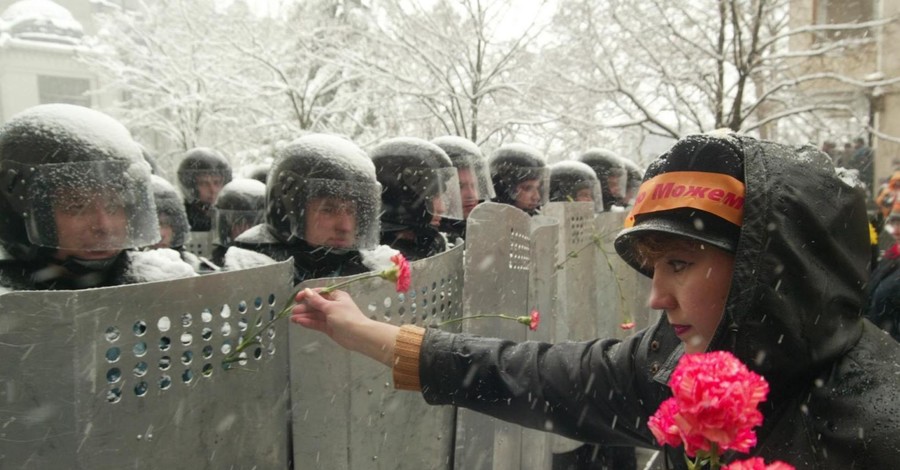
[201, 174]
[420, 195]
[240, 205]
[75, 199]
[520, 176]
[573, 181]
[322, 208]
[474, 179]
[612, 175]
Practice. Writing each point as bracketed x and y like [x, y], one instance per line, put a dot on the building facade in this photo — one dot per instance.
[40, 42]
[865, 58]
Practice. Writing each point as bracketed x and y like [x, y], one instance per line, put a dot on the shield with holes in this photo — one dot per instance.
[137, 376]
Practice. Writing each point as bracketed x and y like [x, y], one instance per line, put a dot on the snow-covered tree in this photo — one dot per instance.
[671, 68]
[447, 67]
[173, 87]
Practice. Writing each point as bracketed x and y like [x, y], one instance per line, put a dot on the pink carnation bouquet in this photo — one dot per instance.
[713, 410]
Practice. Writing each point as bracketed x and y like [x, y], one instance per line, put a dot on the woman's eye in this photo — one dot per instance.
[678, 265]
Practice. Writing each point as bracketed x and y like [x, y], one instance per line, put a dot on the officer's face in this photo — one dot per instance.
[468, 190]
[528, 194]
[330, 222]
[166, 232]
[584, 195]
[208, 187]
[89, 225]
[616, 184]
[438, 208]
[240, 226]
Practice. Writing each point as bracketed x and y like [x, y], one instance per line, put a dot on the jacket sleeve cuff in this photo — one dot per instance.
[406, 358]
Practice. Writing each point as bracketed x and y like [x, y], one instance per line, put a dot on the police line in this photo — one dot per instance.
[132, 376]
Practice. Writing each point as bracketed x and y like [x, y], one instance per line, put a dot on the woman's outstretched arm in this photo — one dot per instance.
[336, 315]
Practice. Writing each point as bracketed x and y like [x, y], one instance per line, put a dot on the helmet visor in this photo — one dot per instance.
[580, 190]
[91, 206]
[529, 187]
[338, 213]
[444, 194]
[617, 184]
[229, 223]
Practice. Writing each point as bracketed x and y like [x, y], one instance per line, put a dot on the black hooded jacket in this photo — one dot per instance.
[793, 315]
[310, 262]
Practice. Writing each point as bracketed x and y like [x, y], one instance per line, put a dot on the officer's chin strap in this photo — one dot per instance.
[329, 250]
[81, 266]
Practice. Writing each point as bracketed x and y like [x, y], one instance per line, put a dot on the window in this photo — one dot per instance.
[64, 90]
[844, 11]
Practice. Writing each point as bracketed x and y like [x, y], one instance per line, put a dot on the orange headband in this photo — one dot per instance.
[716, 193]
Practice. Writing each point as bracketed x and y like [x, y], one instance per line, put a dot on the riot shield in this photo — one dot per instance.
[201, 244]
[498, 263]
[346, 413]
[133, 376]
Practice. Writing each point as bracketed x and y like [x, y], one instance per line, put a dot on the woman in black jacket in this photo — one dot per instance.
[792, 244]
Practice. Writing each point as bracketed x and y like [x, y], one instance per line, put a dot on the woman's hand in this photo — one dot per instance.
[336, 315]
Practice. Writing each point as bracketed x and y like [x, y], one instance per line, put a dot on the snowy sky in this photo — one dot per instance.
[512, 25]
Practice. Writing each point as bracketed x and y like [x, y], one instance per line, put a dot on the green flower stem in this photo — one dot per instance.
[337, 286]
[470, 317]
[704, 460]
[595, 241]
[251, 338]
[714, 463]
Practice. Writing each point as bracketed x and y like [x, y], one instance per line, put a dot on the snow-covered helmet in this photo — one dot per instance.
[151, 159]
[419, 182]
[466, 155]
[633, 179]
[59, 157]
[260, 172]
[170, 210]
[610, 171]
[201, 161]
[318, 166]
[241, 204]
[570, 179]
[512, 164]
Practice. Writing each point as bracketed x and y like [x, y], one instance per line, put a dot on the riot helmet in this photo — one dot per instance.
[201, 174]
[611, 172]
[241, 204]
[574, 181]
[260, 172]
[474, 178]
[73, 185]
[322, 190]
[520, 177]
[634, 178]
[173, 222]
[420, 184]
[151, 159]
